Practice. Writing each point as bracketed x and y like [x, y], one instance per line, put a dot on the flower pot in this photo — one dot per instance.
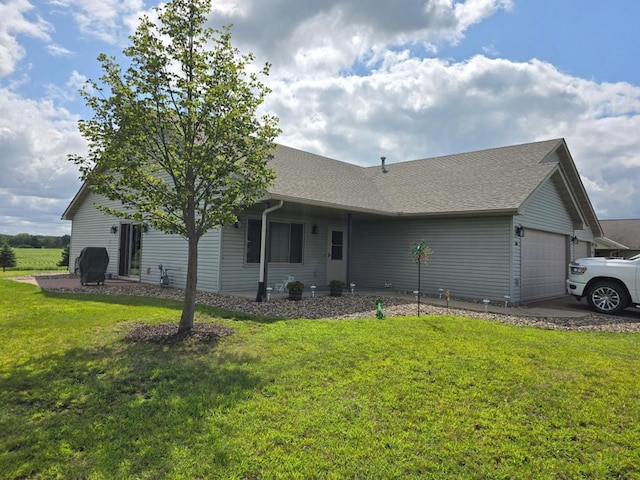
[335, 292]
[295, 295]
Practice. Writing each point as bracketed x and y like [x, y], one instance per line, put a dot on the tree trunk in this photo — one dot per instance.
[189, 307]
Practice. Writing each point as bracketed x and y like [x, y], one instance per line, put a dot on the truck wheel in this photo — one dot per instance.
[607, 297]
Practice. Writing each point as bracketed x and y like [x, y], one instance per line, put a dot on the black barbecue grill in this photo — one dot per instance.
[92, 263]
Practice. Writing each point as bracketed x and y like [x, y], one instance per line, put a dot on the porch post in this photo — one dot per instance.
[349, 232]
[263, 248]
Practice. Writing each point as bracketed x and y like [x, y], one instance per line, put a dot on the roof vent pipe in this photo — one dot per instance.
[382, 159]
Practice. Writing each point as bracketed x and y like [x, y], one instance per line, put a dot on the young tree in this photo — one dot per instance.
[7, 257]
[64, 261]
[176, 137]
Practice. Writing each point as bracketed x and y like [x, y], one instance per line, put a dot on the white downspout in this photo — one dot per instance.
[263, 247]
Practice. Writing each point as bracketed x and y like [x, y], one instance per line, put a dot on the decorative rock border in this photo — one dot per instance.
[358, 306]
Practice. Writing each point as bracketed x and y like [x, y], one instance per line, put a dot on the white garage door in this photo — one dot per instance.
[544, 265]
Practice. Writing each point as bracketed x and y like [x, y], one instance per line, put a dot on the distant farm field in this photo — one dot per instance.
[40, 259]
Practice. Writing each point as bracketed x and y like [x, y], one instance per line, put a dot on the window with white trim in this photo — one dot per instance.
[285, 242]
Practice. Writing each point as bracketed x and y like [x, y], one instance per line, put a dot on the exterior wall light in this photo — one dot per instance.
[114, 229]
[314, 229]
[519, 231]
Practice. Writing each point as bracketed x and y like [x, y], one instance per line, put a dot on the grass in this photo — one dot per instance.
[37, 259]
[429, 397]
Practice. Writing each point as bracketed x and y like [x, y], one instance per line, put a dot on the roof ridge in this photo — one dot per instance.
[553, 141]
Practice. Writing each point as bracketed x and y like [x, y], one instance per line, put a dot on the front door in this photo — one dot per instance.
[130, 252]
[336, 254]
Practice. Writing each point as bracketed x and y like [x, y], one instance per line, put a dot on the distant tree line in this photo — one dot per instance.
[25, 240]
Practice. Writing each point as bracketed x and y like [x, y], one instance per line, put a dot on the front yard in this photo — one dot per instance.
[429, 397]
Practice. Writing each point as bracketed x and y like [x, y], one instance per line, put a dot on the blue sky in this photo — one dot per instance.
[587, 38]
[351, 80]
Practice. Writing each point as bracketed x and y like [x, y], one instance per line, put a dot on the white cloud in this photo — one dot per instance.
[35, 138]
[350, 81]
[111, 21]
[58, 51]
[76, 80]
[306, 37]
[474, 11]
[16, 22]
[414, 108]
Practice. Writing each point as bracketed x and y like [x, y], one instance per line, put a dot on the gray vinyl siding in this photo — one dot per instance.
[168, 250]
[471, 256]
[553, 157]
[238, 275]
[586, 243]
[516, 259]
[172, 252]
[91, 227]
[546, 211]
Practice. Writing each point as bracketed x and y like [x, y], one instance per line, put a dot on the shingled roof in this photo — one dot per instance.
[492, 181]
[497, 180]
[313, 179]
[626, 232]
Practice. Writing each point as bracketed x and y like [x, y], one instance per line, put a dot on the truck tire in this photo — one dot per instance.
[607, 297]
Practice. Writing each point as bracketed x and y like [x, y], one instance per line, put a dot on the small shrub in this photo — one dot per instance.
[7, 257]
[64, 261]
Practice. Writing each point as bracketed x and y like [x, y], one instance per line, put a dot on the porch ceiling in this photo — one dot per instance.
[298, 209]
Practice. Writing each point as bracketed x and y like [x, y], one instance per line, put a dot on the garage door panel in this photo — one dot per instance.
[544, 265]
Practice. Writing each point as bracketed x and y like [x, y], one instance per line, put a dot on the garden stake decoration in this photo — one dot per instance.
[379, 313]
[420, 254]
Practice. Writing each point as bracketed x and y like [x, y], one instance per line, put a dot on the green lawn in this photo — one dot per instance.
[37, 259]
[429, 397]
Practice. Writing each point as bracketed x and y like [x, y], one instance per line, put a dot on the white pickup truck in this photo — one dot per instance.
[610, 284]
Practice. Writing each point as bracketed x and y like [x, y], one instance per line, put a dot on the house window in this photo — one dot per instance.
[285, 242]
[253, 241]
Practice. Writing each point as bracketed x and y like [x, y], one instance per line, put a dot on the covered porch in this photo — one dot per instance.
[279, 241]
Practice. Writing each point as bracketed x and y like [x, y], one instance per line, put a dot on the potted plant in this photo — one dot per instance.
[335, 288]
[295, 290]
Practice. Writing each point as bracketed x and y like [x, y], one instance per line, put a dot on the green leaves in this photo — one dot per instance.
[7, 257]
[175, 135]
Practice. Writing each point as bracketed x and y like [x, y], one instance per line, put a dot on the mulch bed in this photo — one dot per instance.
[167, 333]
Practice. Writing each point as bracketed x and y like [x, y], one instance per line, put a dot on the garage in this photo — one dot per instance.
[544, 265]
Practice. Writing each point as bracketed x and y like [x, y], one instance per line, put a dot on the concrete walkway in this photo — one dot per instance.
[50, 282]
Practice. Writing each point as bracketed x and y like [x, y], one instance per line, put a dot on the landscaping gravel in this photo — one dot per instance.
[359, 306]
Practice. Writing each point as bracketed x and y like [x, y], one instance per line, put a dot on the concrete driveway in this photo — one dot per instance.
[569, 306]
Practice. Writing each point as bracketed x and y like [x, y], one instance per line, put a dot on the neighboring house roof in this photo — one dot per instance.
[625, 232]
[604, 243]
[497, 180]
